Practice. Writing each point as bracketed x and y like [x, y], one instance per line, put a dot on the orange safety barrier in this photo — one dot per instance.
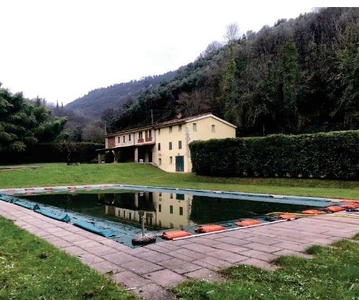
[209, 228]
[352, 205]
[311, 212]
[287, 216]
[173, 234]
[247, 222]
[333, 209]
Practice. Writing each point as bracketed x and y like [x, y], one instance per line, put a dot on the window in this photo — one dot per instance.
[194, 125]
[180, 127]
[123, 139]
[181, 211]
[129, 137]
[213, 128]
[171, 209]
[170, 129]
[140, 135]
[149, 133]
[179, 144]
[179, 196]
[159, 146]
[160, 161]
[170, 145]
[124, 214]
[118, 139]
[159, 207]
[171, 196]
[171, 160]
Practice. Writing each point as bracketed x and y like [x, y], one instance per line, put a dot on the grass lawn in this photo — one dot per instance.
[141, 174]
[333, 273]
[33, 269]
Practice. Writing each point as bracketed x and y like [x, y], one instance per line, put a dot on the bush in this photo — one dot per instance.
[333, 155]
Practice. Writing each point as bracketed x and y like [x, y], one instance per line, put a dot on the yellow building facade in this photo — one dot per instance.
[166, 144]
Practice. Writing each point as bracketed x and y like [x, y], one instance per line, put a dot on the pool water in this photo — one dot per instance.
[121, 209]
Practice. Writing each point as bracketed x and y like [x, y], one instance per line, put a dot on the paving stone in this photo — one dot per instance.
[206, 275]
[106, 267]
[58, 242]
[189, 253]
[198, 248]
[101, 250]
[118, 258]
[87, 244]
[291, 246]
[74, 250]
[209, 241]
[72, 237]
[179, 266]
[263, 248]
[153, 291]
[130, 280]
[266, 240]
[227, 256]
[140, 266]
[90, 259]
[259, 255]
[230, 247]
[153, 256]
[213, 263]
[233, 240]
[260, 264]
[166, 278]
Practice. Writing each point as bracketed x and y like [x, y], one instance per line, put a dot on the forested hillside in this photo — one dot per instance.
[300, 75]
[94, 103]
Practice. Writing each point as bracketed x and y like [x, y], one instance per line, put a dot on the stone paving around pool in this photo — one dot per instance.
[150, 270]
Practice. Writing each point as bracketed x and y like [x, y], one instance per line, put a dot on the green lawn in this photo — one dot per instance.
[141, 174]
[31, 268]
[333, 273]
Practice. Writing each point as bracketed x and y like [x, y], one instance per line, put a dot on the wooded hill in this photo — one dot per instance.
[95, 102]
[300, 75]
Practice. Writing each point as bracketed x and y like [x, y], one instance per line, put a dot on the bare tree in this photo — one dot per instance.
[232, 33]
[212, 47]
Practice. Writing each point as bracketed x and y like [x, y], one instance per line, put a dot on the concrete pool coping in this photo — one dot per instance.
[150, 270]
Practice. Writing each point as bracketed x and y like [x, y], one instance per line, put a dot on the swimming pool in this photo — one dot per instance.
[119, 207]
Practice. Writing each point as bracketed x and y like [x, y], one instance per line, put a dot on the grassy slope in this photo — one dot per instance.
[140, 174]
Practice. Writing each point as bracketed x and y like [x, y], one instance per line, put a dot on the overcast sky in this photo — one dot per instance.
[59, 50]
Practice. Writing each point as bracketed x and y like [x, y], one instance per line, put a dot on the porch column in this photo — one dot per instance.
[136, 154]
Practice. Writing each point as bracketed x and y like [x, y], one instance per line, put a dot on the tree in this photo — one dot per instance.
[232, 33]
[24, 122]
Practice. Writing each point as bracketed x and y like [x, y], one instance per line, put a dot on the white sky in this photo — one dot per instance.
[59, 50]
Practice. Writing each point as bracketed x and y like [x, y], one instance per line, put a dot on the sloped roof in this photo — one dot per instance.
[171, 123]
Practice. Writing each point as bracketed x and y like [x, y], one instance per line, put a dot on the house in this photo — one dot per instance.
[167, 144]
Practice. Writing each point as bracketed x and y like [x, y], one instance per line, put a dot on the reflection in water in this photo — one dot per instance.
[162, 210]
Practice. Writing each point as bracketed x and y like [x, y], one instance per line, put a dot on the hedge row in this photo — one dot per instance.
[51, 152]
[333, 155]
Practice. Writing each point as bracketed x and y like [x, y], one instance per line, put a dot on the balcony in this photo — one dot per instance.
[148, 138]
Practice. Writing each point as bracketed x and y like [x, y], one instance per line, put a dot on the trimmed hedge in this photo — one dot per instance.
[333, 155]
[51, 152]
